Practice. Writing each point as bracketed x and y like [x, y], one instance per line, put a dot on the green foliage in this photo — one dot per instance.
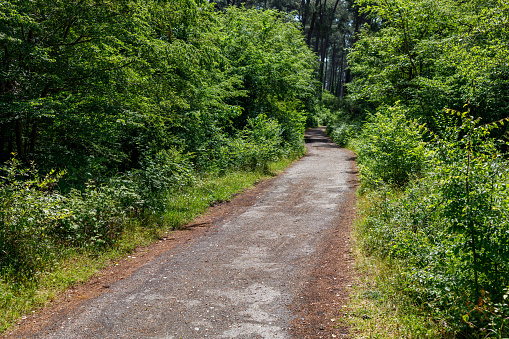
[449, 230]
[160, 175]
[267, 52]
[135, 100]
[431, 54]
[324, 111]
[37, 221]
[389, 149]
[93, 87]
[27, 210]
[254, 147]
[95, 219]
[344, 131]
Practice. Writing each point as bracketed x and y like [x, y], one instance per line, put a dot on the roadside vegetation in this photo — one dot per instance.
[433, 229]
[120, 120]
[123, 119]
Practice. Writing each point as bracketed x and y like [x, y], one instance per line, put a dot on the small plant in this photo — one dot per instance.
[343, 132]
[254, 147]
[160, 175]
[29, 207]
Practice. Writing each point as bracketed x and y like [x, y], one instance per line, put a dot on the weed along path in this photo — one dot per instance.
[274, 263]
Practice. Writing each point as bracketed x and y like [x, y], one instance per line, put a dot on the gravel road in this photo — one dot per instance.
[239, 279]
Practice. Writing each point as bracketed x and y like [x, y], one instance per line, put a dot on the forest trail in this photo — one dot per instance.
[274, 266]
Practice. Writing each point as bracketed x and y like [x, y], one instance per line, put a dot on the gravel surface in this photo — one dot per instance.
[250, 275]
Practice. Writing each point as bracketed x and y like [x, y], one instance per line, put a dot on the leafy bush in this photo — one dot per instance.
[449, 231]
[267, 53]
[389, 148]
[95, 219]
[37, 221]
[343, 132]
[254, 147]
[324, 111]
[28, 210]
[160, 174]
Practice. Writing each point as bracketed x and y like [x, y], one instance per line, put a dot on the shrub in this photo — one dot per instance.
[448, 231]
[389, 149]
[343, 132]
[95, 219]
[254, 147]
[37, 223]
[161, 174]
[325, 111]
[28, 210]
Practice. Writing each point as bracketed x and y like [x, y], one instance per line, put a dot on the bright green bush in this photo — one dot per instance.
[37, 221]
[389, 148]
[95, 219]
[28, 211]
[267, 53]
[343, 132]
[448, 231]
[254, 147]
[160, 175]
[325, 111]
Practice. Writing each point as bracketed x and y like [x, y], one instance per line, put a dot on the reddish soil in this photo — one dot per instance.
[321, 308]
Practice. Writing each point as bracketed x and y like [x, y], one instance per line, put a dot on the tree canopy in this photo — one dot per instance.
[97, 86]
[434, 54]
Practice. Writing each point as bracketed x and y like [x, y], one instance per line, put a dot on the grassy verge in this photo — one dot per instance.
[75, 266]
[378, 307]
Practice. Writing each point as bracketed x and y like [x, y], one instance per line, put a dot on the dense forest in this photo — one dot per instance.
[112, 109]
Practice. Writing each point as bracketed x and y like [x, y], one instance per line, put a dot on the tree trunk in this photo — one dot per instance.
[2, 147]
[333, 69]
[10, 146]
[325, 82]
[304, 13]
[19, 139]
[319, 31]
[33, 136]
[341, 91]
[312, 24]
[323, 57]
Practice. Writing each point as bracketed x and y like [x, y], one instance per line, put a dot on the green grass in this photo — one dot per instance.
[191, 202]
[70, 267]
[74, 266]
[378, 306]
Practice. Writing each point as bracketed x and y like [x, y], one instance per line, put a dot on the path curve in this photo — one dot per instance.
[242, 279]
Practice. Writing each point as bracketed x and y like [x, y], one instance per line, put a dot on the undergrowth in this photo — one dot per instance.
[433, 235]
[379, 305]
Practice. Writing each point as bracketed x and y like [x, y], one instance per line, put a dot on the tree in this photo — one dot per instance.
[434, 54]
[267, 53]
[93, 85]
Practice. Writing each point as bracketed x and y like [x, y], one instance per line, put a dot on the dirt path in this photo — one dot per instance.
[273, 263]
